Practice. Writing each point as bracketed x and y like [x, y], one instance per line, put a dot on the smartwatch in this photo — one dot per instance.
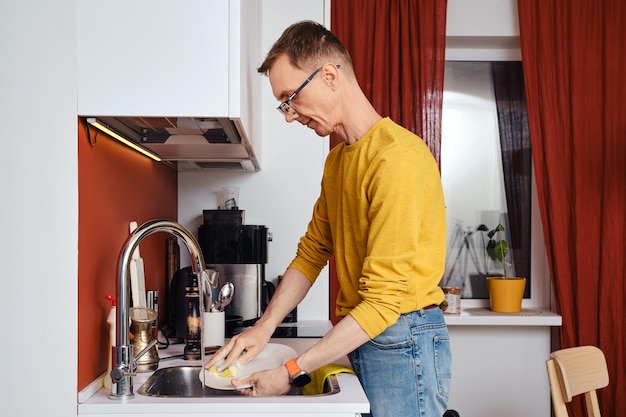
[297, 376]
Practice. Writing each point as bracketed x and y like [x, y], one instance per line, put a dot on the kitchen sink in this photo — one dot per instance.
[184, 381]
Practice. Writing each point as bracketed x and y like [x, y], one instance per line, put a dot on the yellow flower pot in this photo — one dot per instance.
[505, 295]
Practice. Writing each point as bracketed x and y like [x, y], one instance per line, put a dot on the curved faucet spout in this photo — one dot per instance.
[124, 365]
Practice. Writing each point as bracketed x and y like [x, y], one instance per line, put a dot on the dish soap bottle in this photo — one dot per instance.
[111, 322]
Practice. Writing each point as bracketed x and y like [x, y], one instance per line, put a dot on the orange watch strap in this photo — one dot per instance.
[292, 367]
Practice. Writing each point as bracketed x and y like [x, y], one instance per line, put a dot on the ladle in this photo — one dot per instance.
[224, 297]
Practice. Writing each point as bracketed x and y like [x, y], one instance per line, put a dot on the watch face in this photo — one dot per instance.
[301, 380]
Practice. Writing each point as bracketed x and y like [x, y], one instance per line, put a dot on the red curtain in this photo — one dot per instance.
[398, 52]
[398, 48]
[575, 66]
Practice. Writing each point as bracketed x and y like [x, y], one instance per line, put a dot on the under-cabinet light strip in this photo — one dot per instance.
[95, 123]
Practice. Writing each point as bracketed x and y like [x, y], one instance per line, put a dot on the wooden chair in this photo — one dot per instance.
[574, 371]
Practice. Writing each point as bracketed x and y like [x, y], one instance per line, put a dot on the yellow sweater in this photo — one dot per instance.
[381, 213]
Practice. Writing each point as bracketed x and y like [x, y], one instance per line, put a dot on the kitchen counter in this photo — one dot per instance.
[508, 349]
[349, 401]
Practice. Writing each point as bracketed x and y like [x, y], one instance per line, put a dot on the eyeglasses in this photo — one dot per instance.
[285, 107]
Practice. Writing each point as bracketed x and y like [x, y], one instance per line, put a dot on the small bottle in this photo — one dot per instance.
[111, 322]
[193, 341]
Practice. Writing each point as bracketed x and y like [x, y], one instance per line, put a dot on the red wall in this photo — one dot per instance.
[115, 186]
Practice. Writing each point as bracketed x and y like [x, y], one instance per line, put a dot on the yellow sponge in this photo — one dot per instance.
[229, 372]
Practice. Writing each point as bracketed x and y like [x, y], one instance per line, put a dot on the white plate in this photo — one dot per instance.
[272, 356]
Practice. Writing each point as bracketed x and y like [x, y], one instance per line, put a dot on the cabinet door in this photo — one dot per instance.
[153, 57]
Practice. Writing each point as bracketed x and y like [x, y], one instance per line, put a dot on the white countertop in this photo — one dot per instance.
[350, 401]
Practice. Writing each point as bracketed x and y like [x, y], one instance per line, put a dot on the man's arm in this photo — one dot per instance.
[342, 339]
[245, 346]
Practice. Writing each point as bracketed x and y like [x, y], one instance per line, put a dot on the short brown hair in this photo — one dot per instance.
[308, 44]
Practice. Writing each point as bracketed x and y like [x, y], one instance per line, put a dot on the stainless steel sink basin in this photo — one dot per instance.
[184, 381]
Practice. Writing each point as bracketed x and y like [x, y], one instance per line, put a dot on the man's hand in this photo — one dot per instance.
[242, 347]
[247, 345]
[267, 383]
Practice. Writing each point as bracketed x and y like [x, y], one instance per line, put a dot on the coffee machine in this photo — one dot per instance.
[239, 253]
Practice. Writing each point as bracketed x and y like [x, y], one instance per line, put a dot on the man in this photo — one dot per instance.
[381, 214]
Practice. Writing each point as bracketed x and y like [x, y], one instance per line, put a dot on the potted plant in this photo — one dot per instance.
[505, 292]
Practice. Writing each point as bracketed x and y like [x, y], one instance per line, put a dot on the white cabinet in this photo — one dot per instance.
[168, 58]
[498, 362]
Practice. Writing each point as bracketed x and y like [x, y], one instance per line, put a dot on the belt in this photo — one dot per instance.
[430, 307]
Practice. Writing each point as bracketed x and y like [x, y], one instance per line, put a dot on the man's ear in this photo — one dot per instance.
[330, 74]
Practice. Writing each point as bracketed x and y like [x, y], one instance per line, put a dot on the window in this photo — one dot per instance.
[473, 167]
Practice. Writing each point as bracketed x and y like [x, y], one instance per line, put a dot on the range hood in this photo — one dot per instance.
[194, 143]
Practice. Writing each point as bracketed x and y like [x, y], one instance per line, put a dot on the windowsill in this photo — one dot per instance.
[483, 316]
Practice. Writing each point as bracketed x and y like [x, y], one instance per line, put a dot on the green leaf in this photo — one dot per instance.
[492, 233]
[497, 249]
[500, 249]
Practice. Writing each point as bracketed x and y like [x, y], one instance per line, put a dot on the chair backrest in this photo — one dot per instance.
[575, 371]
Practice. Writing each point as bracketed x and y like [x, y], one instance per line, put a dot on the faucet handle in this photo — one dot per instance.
[118, 374]
[144, 350]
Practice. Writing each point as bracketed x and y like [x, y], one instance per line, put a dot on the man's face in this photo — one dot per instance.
[309, 105]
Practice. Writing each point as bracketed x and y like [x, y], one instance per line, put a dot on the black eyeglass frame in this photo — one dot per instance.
[284, 107]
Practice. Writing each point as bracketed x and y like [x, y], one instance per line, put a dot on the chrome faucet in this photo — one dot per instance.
[124, 365]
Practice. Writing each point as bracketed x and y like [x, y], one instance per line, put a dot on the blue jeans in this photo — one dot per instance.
[406, 370]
